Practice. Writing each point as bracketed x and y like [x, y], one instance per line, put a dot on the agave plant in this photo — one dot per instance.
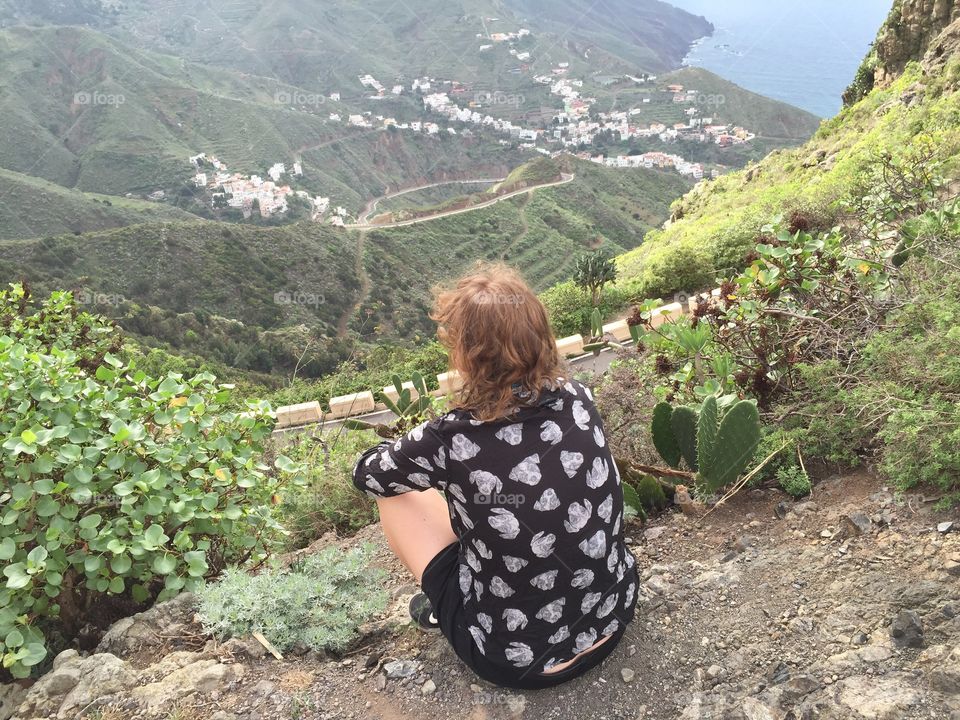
[598, 341]
[411, 407]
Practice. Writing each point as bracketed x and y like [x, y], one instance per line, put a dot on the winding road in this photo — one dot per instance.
[372, 205]
[565, 178]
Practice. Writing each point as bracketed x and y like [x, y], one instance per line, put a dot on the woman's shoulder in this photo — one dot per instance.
[574, 387]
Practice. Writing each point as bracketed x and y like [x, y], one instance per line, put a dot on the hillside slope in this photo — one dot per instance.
[186, 271]
[31, 207]
[325, 46]
[714, 227]
[101, 116]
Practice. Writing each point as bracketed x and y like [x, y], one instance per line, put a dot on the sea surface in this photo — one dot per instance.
[804, 53]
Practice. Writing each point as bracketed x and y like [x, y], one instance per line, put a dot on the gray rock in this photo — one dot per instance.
[202, 676]
[428, 688]
[753, 709]
[10, 697]
[945, 527]
[397, 669]
[69, 656]
[950, 610]
[856, 523]
[516, 704]
[244, 647]
[654, 533]
[906, 630]
[264, 689]
[945, 676]
[627, 674]
[75, 683]
[952, 564]
[799, 686]
[146, 629]
[62, 680]
[880, 698]
[875, 653]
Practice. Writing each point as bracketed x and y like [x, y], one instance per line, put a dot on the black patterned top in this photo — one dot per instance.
[537, 504]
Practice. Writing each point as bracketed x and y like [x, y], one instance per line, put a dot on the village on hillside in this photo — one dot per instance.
[456, 109]
[248, 193]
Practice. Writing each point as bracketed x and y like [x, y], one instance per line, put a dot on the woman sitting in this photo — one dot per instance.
[509, 509]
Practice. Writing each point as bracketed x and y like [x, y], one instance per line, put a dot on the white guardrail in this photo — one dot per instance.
[362, 403]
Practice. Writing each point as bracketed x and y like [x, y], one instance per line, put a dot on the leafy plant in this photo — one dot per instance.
[115, 482]
[794, 481]
[410, 409]
[317, 603]
[328, 501]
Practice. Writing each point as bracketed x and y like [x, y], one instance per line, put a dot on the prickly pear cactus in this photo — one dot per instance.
[737, 439]
[651, 494]
[683, 420]
[707, 435]
[663, 438]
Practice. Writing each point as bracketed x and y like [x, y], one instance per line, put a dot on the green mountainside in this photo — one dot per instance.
[32, 207]
[157, 111]
[323, 46]
[164, 281]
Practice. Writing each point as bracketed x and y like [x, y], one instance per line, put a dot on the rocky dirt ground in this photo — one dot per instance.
[845, 605]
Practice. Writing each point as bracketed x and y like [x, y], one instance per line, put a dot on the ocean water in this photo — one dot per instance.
[804, 53]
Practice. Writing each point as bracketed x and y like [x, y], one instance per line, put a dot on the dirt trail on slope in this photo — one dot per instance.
[343, 325]
[768, 609]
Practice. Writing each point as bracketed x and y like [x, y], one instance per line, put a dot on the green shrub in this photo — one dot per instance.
[318, 603]
[780, 441]
[794, 481]
[668, 270]
[370, 369]
[569, 307]
[115, 482]
[328, 501]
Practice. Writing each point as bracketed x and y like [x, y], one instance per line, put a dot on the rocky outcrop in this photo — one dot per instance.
[112, 677]
[910, 31]
[74, 684]
[150, 627]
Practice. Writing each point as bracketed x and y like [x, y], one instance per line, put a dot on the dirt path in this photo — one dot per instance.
[343, 325]
[566, 179]
[745, 615]
[524, 228]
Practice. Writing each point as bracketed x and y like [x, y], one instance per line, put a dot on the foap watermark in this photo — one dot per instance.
[99, 98]
[491, 298]
[500, 499]
[88, 297]
[298, 98]
[298, 297]
[499, 98]
[495, 697]
[709, 99]
[684, 298]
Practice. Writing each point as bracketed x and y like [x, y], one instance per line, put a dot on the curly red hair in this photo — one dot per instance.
[498, 337]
